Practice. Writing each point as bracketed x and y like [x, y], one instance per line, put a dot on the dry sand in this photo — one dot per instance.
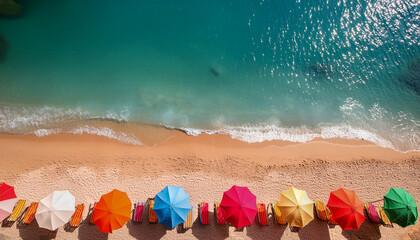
[204, 166]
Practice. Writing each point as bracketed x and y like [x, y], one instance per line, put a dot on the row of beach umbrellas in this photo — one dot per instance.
[239, 206]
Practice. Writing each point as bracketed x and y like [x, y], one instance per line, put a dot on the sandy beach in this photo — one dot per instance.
[205, 166]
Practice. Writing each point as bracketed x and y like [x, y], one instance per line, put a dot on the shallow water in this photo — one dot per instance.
[257, 70]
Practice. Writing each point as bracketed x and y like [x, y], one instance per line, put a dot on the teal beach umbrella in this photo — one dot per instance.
[172, 206]
[400, 207]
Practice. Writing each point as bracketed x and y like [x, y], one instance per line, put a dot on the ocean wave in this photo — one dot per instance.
[14, 119]
[270, 132]
[99, 131]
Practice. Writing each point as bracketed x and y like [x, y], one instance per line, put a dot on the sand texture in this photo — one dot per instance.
[205, 166]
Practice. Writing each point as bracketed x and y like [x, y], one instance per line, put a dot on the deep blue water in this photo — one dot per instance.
[257, 70]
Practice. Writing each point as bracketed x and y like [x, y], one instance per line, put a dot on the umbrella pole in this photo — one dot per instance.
[376, 201]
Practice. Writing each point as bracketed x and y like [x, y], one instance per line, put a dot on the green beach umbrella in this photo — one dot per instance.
[400, 207]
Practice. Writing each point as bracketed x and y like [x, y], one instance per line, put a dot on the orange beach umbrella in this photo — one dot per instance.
[346, 209]
[112, 211]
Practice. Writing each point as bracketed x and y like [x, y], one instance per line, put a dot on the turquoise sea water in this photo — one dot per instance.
[256, 70]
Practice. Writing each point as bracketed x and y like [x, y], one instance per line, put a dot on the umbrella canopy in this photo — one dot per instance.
[8, 200]
[172, 206]
[55, 210]
[400, 207]
[346, 209]
[296, 207]
[112, 211]
[239, 206]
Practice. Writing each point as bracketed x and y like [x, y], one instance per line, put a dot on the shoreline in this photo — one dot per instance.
[35, 152]
[51, 121]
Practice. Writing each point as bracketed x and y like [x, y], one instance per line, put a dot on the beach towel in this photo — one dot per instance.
[77, 216]
[17, 211]
[204, 213]
[30, 213]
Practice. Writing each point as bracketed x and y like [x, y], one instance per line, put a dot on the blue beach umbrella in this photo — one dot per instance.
[172, 206]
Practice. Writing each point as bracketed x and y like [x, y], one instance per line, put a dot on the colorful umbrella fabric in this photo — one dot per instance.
[172, 206]
[112, 211]
[346, 209]
[239, 206]
[55, 210]
[296, 207]
[8, 200]
[400, 207]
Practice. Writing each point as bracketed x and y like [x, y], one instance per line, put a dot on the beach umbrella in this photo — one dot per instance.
[239, 206]
[55, 210]
[400, 207]
[8, 200]
[346, 209]
[172, 206]
[112, 211]
[296, 207]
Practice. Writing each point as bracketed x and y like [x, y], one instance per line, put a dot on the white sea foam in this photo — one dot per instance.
[269, 132]
[46, 132]
[99, 131]
[193, 131]
[107, 132]
[13, 119]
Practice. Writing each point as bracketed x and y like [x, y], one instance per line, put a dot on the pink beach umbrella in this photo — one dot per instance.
[8, 200]
[239, 206]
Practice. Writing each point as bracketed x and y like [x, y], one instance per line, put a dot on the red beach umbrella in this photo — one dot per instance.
[346, 209]
[7, 200]
[239, 206]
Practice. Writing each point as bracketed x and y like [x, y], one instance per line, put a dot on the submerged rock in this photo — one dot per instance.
[9, 8]
[320, 68]
[214, 72]
[4, 46]
[412, 75]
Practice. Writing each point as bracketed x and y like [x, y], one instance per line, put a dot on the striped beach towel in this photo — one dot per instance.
[384, 218]
[152, 214]
[17, 211]
[329, 216]
[93, 213]
[262, 214]
[138, 213]
[204, 213]
[220, 217]
[189, 222]
[277, 215]
[320, 210]
[77, 216]
[371, 212]
[30, 214]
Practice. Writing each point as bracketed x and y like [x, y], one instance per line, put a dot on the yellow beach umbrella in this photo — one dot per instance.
[296, 207]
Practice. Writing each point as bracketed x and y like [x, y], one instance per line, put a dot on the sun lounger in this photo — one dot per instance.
[371, 213]
[320, 210]
[92, 212]
[76, 219]
[220, 219]
[384, 218]
[189, 222]
[278, 220]
[329, 216]
[262, 214]
[138, 212]
[152, 215]
[30, 213]
[203, 211]
[17, 211]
